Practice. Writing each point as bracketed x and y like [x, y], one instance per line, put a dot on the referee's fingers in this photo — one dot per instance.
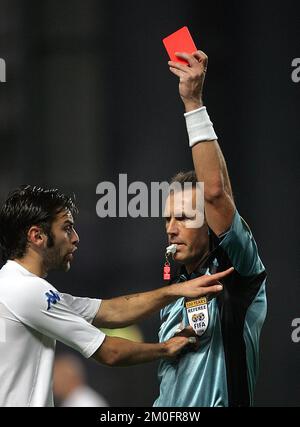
[200, 55]
[176, 72]
[188, 57]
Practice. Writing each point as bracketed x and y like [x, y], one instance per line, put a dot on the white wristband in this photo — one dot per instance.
[199, 126]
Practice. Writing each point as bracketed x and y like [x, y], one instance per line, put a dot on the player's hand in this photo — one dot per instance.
[194, 342]
[204, 285]
[184, 340]
[191, 78]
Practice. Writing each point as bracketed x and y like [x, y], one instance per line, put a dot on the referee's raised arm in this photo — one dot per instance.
[208, 159]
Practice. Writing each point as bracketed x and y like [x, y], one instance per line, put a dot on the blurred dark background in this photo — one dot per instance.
[89, 96]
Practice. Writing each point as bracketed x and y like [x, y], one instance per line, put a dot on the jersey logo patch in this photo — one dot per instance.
[197, 311]
[52, 298]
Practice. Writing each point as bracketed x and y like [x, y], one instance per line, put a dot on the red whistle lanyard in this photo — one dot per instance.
[167, 268]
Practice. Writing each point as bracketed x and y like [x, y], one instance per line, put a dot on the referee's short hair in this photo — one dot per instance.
[182, 177]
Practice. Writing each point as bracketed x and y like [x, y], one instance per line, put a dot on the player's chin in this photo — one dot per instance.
[65, 266]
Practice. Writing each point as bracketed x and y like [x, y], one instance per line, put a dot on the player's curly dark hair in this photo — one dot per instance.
[27, 206]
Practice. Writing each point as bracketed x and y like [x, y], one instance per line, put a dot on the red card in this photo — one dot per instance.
[180, 41]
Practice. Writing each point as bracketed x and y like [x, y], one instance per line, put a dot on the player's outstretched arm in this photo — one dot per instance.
[125, 310]
[120, 352]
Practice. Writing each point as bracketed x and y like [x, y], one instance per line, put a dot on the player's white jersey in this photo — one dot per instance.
[33, 314]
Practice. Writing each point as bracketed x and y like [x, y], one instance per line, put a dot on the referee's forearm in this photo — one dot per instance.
[211, 168]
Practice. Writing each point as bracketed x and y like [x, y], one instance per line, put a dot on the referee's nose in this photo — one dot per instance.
[172, 227]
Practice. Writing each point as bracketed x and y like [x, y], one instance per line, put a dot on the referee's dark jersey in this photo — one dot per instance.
[224, 369]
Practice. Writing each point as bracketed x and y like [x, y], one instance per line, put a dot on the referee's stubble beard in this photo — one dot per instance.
[192, 243]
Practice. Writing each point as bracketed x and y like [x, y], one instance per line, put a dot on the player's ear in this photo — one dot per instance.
[36, 235]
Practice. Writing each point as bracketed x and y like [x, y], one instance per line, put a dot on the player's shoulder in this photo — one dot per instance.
[35, 285]
[17, 285]
[35, 292]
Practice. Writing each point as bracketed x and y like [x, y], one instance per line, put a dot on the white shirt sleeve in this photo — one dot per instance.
[85, 307]
[39, 305]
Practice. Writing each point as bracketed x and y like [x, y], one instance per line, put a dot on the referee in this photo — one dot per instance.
[223, 371]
